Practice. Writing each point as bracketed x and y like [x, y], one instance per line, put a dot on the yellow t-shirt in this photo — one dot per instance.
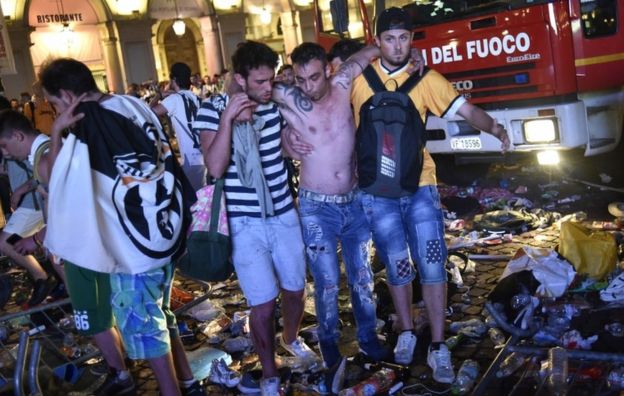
[433, 93]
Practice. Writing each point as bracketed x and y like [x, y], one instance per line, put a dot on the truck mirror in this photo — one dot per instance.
[340, 16]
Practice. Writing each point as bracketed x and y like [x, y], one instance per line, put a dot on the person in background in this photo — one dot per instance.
[181, 107]
[40, 113]
[286, 74]
[342, 50]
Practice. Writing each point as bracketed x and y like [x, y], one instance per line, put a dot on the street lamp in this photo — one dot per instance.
[179, 27]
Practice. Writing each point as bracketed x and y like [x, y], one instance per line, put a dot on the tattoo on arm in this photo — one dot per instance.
[346, 71]
[301, 100]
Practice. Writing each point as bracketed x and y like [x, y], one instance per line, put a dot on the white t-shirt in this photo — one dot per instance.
[188, 141]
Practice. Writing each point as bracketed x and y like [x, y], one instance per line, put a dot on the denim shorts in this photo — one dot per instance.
[268, 255]
[405, 227]
[141, 309]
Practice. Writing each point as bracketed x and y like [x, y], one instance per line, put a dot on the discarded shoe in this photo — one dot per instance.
[41, 290]
[221, 374]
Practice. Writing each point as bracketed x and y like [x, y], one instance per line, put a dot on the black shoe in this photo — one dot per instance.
[113, 386]
[376, 351]
[41, 290]
[335, 376]
[196, 389]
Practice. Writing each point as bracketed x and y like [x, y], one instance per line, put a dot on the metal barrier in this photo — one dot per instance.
[56, 344]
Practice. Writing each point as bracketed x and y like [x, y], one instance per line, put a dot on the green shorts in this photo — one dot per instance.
[90, 295]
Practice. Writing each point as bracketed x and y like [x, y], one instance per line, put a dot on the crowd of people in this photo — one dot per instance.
[110, 156]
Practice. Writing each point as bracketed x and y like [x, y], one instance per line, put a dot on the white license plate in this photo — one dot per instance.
[466, 143]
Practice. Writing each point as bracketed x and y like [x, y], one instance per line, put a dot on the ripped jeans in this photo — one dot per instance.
[326, 220]
[413, 221]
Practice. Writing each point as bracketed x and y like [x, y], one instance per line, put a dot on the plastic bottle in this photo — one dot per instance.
[615, 379]
[475, 324]
[466, 377]
[453, 341]
[558, 376]
[379, 382]
[497, 336]
[511, 363]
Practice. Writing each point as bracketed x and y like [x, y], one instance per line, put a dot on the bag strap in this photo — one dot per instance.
[412, 81]
[216, 205]
[38, 153]
[373, 80]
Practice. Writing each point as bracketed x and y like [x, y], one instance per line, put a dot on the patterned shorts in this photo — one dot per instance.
[141, 309]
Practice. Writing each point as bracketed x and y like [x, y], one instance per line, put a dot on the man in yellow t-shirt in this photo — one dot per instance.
[415, 221]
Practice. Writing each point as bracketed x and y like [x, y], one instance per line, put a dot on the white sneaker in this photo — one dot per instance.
[404, 349]
[440, 363]
[298, 348]
[220, 373]
[270, 386]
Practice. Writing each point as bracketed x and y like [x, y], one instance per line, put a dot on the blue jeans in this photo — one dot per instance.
[414, 222]
[325, 222]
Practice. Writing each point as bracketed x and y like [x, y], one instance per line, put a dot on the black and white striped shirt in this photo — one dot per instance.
[240, 200]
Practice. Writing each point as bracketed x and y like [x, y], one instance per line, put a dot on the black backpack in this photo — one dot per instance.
[390, 139]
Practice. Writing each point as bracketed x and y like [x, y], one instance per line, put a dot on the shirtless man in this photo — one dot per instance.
[319, 113]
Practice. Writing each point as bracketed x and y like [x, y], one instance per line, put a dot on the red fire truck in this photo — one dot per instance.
[551, 71]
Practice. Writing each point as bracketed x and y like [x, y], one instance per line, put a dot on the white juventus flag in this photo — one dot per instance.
[116, 203]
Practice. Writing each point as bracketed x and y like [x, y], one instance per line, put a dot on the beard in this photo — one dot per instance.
[396, 62]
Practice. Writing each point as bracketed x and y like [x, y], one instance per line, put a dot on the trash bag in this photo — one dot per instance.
[591, 252]
[552, 271]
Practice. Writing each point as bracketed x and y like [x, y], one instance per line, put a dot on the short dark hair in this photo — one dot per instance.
[251, 55]
[343, 49]
[69, 74]
[181, 73]
[11, 120]
[306, 52]
[284, 68]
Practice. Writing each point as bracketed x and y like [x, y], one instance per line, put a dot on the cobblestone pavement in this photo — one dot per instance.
[465, 303]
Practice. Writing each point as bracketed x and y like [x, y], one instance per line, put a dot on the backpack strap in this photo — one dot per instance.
[373, 80]
[216, 205]
[43, 147]
[29, 174]
[412, 81]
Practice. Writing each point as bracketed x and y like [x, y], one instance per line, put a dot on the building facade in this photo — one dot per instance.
[135, 41]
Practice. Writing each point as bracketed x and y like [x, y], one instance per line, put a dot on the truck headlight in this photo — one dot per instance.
[541, 130]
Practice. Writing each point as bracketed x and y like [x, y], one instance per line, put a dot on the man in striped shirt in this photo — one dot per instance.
[268, 250]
